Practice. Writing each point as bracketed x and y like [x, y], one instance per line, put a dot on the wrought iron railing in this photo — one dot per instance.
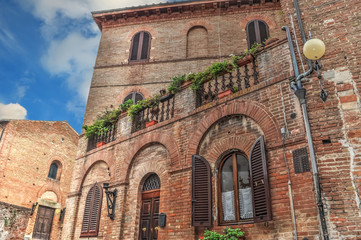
[103, 138]
[242, 78]
[160, 113]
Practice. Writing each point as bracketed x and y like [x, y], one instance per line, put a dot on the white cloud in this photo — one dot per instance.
[73, 39]
[12, 111]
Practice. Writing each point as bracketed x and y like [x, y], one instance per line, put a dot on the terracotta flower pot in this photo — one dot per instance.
[151, 123]
[224, 93]
[245, 60]
[99, 144]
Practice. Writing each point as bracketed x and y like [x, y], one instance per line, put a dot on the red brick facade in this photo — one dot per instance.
[233, 122]
[27, 150]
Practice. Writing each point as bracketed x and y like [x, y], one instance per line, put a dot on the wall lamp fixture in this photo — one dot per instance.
[111, 197]
[313, 50]
[33, 208]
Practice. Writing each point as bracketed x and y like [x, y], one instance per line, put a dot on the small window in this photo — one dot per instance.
[140, 47]
[53, 171]
[135, 96]
[93, 205]
[257, 31]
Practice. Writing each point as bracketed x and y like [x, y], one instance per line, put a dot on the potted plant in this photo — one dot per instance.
[151, 123]
[229, 233]
[224, 93]
[245, 60]
[270, 40]
[101, 143]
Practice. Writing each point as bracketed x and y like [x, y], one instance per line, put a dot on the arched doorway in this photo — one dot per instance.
[150, 208]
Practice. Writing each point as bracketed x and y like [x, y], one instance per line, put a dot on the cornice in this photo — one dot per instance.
[178, 10]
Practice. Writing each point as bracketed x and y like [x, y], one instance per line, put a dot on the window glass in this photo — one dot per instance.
[53, 171]
[244, 188]
[228, 190]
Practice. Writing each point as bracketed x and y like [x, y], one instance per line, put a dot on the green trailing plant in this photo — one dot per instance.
[103, 123]
[229, 234]
[235, 89]
[174, 86]
[126, 105]
[143, 104]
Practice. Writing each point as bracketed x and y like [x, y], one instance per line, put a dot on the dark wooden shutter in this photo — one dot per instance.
[135, 47]
[251, 34]
[201, 192]
[92, 211]
[263, 31]
[145, 46]
[260, 185]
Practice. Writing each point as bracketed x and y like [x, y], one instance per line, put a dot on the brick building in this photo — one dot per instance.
[208, 162]
[37, 160]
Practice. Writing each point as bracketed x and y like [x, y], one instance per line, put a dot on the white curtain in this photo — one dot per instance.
[245, 202]
[228, 206]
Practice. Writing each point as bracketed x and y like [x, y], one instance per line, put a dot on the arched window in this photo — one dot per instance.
[244, 194]
[53, 171]
[257, 31]
[235, 186]
[152, 183]
[135, 96]
[197, 42]
[140, 47]
[93, 205]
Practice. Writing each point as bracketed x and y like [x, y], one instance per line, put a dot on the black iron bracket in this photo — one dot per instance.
[111, 197]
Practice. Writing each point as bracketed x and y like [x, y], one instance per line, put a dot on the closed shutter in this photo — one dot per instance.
[145, 46]
[260, 185]
[92, 210]
[135, 47]
[251, 34]
[201, 192]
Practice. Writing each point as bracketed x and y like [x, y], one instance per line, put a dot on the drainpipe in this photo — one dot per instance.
[300, 92]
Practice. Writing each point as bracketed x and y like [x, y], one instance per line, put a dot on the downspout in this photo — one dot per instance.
[300, 92]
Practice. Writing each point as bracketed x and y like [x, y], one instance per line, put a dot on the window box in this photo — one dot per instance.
[224, 93]
[245, 60]
[99, 144]
[151, 123]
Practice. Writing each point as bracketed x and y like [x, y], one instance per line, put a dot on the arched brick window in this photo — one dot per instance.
[243, 186]
[55, 170]
[257, 31]
[135, 96]
[140, 47]
[92, 209]
[197, 42]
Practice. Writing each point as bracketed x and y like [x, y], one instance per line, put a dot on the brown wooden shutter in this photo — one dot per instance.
[201, 192]
[260, 185]
[92, 211]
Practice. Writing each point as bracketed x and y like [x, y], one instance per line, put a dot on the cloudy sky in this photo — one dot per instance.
[47, 54]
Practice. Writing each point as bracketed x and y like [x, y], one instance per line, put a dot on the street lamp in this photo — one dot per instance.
[313, 50]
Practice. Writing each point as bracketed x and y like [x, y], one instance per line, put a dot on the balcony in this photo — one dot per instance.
[102, 139]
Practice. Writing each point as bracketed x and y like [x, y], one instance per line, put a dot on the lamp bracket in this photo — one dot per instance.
[111, 197]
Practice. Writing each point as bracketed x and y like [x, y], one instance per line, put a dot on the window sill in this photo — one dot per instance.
[236, 223]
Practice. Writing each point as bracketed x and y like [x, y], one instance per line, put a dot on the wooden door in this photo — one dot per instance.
[149, 215]
[43, 223]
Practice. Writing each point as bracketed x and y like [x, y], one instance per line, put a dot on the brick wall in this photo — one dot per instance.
[233, 122]
[27, 149]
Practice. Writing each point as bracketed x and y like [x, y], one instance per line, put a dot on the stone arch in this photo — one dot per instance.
[49, 186]
[146, 140]
[252, 109]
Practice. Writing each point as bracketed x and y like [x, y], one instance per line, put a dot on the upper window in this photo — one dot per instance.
[53, 170]
[257, 31]
[93, 205]
[135, 96]
[140, 47]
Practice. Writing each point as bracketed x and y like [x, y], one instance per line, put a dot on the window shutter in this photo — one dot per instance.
[92, 211]
[251, 34]
[260, 185]
[201, 192]
[86, 217]
[135, 46]
[263, 31]
[145, 46]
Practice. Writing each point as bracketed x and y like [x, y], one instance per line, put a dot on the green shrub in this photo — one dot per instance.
[229, 234]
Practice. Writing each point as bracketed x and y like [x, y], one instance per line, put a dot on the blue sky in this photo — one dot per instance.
[47, 53]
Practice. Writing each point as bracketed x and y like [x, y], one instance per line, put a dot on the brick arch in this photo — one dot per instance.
[270, 22]
[88, 166]
[196, 23]
[153, 33]
[128, 90]
[50, 186]
[145, 140]
[248, 108]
